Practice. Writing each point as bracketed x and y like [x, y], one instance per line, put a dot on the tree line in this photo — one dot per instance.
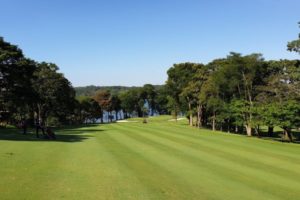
[92, 89]
[37, 91]
[239, 93]
[32, 90]
[133, 102]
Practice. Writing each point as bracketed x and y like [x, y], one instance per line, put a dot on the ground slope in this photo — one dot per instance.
[158, 160]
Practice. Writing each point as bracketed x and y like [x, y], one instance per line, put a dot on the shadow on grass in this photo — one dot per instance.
[278, 136]
[66, 134]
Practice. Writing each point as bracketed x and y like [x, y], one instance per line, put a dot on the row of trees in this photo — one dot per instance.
[137, 101]
[32, 90]
[38, 91]
[238, 93]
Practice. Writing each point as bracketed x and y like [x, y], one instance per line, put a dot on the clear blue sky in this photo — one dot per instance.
[133, 42]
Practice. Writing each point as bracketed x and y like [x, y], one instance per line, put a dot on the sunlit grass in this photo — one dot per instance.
[157, 160]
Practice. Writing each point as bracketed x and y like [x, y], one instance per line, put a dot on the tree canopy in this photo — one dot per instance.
[295, 44]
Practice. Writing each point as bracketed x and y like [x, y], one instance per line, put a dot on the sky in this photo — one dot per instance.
[134, 42]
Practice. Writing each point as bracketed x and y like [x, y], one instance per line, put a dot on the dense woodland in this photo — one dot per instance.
[239, 93]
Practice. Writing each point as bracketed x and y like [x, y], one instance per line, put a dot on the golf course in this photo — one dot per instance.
[161, 159]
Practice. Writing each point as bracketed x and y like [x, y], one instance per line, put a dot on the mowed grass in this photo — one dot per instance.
[157, 160]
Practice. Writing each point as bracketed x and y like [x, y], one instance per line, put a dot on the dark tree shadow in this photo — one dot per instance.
[278, 136]
[70, 134]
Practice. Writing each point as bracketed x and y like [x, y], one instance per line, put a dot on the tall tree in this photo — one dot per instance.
[179, 77]
[54, 93]
[242, 75]
[210, 96]
[15, 75]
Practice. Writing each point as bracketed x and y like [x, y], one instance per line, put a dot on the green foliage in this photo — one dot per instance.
[235, 92]
[54, 93]
[295, 44]
[87, 110]
[288, 114]
[161, 101]
[114, 90]
[30, 89]
[181, 86]
[15, 81]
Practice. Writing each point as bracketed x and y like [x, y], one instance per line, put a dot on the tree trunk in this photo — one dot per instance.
[257, 130]
[116, 114]
[287, 134]
[199, 116]
[39, 112]
[140, 114]
[191, 119]
[214, 122]
[270, 131]
[248, 130]
[175, 114]
[191, 114]
[236, 130]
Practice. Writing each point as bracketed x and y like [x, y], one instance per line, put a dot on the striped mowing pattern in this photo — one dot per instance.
[158, 160]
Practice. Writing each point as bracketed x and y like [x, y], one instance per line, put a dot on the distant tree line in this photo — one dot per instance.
[137, 102]
[92, 89]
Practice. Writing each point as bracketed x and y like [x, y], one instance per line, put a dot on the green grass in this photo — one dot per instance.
[157, 160]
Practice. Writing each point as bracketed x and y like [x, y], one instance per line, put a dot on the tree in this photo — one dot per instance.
[29, 88]
[148, 94]
[161, 101]
[295, 44]
[278, 94]
[240, 76]
[15, 75]
[53, 93]
[95, 111]
[87, 109]
[179, 77]
[115, 105]
[210, 96]
[288, 117]
[103, 97]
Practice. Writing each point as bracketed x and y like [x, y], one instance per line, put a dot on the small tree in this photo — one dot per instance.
[295, 44]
